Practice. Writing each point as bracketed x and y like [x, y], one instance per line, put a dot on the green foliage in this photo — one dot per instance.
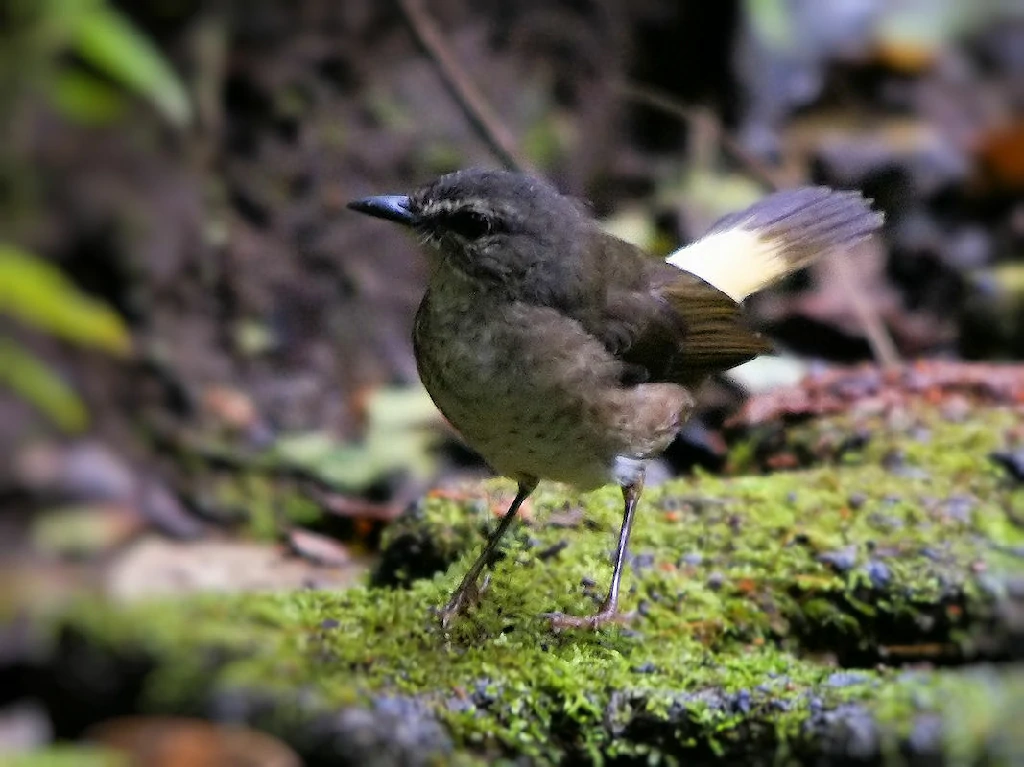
[771, 19]
[68, 756]
[88, 100]
[43, 35]
[34, 382]
[35, 292]
[398, 438]
[38, 295]
[106, 39]
[928, 23]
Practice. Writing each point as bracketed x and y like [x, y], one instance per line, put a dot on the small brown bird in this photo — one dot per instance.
[561, 352]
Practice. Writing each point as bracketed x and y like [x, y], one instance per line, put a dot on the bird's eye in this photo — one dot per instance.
[468, 223]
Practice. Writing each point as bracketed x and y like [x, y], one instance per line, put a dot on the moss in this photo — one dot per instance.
[67, 756]
[749, 590]
[434, 532]
[965, 716]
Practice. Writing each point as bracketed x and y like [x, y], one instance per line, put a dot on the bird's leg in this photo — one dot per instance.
[468, 592]
[609, 608]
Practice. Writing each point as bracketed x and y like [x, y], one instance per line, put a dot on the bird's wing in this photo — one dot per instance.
[681, 320]
[678, 328]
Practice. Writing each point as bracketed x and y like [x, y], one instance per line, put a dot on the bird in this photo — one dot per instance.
[561, 352]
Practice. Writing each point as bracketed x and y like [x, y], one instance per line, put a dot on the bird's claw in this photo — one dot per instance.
[467, 595]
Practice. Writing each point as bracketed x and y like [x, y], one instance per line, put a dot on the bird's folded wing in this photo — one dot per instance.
[680, 331]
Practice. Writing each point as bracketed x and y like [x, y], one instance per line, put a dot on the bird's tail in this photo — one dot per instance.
[750, 250]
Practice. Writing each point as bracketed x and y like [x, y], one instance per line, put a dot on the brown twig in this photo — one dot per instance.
[882, 347]
[469, 98]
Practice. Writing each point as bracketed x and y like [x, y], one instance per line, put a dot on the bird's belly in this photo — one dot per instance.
[518, 400]
[519, 426]
[535, 394]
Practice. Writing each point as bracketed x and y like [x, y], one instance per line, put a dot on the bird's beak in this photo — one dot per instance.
[390, 207]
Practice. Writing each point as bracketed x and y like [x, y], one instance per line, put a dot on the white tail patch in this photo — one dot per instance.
[737, 262]
[748, 251]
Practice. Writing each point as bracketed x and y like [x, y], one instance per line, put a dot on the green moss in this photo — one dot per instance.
[965, 715]
[748, 589]
[67, 756]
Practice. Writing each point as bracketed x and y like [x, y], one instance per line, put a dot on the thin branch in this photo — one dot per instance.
[469, 98]
[882, 347]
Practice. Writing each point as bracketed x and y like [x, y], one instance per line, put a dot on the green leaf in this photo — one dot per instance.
[108, 41]
[771, 22]
[67, 755]
[84, 99]
[635, 225]
[929, 23]
[399, 438]
[36, 293]
[37, 384]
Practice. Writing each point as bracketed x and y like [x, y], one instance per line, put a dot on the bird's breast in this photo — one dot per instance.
[473, 366]
[529, 389]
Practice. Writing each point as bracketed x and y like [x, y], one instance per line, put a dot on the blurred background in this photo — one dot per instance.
[206, 372]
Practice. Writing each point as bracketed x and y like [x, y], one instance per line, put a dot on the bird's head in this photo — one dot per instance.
[492, 226]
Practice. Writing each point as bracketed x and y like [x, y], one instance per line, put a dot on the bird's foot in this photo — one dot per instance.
[595, 621]
[467, 595]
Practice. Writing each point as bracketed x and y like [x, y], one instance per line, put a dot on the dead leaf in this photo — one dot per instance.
[357, 508]
[80, 472]
[318, 549]
[155, 566]
[1001, 155]
[180, 742]
[835, 390]
[85, 531]
[230, 407]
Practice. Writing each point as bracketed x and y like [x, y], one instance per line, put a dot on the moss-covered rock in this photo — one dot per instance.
[774, 618]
